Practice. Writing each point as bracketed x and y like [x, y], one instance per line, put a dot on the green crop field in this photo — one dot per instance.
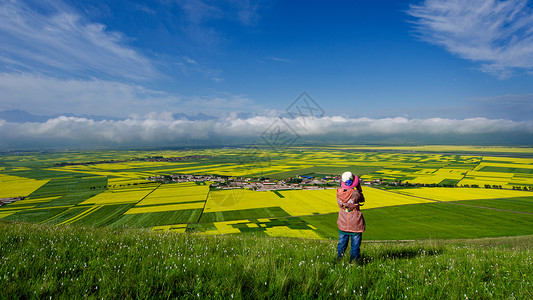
[489, 187]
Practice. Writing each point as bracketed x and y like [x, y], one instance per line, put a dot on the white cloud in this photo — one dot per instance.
[61, 40]
[498, 34]
[160, 129]
[47, 95]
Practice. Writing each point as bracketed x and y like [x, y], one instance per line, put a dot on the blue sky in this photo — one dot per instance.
[460, 66]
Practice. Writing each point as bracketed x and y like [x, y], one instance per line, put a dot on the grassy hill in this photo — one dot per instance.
[43, 261]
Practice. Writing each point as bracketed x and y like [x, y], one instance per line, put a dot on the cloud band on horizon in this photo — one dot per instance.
[82, 132]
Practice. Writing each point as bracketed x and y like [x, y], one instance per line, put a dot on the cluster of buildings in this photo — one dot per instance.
[299, 182]
[10, 200]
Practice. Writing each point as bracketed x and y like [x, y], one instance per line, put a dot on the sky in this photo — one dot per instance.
[344, 72]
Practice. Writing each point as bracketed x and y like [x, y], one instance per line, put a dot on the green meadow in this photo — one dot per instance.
[44, 261]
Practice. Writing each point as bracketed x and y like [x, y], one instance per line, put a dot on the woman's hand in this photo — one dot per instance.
[351, 206]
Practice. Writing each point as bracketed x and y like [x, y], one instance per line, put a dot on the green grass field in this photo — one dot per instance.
[43, 261]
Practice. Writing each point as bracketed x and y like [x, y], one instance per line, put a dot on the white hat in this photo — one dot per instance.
[347, 176]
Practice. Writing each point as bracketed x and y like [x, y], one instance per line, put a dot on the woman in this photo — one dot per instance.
[351, 222]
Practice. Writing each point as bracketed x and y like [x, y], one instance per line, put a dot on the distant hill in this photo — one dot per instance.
[22, 116]
[196, 117]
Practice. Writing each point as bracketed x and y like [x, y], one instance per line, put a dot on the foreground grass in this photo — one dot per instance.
[38, 261]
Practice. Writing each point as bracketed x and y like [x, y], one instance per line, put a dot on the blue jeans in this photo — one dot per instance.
[343, 244]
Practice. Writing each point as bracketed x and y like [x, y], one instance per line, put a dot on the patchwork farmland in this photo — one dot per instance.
[411, 192]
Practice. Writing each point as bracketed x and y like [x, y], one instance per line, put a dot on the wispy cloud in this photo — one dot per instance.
[498, 34]
[190, 66]
[246, 11]
[279, 59]
[201, 19]
[161, 129]
[201, 11]
[59, 39]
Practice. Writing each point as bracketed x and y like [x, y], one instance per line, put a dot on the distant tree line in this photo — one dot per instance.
[149, 158]
[487, 186]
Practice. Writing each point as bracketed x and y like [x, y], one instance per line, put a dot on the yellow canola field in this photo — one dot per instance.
[429, 176]
[284, 231]
[162, 208]
[181, 228]
[492, 178]
[239, 199]
[176, 193]
[278, 231]
[522, 179]
[376, 198]
[14, 186]
[498, 161]
[308, 202]
[119, 196]
[456, 194]
[300, 202]
[225, 227]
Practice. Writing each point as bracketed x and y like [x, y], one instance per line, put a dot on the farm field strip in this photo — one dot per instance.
[280, 231]
[36, 200]
[163, 208]
[176, 199]
[15, 186]
[522, 180]
[119, 196]
[439, 148]
[6, 213]
[180, 228]
[506, 161]
[457, 194]
[124, 181]
[82, 214]
[108, 173]
[50, 207]
[54, 216]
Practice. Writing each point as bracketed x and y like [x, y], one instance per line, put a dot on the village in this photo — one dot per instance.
[8, 200]
[299, 182]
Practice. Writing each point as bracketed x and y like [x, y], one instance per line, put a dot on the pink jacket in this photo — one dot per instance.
[352, 221]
